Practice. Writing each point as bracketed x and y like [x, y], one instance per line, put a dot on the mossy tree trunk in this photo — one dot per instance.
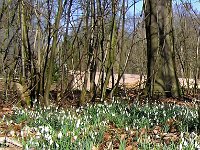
[110, 57]
[161, 71]
[26, 55]
[24, 42]
[64, 75]
[87, 48]
[53, 53]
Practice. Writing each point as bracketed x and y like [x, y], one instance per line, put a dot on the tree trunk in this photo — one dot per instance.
[87, 48]
[66, 49]
[110, 57]
[53, 52]
[161, 71]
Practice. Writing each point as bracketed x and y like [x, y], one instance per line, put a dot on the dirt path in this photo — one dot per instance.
[127, 80]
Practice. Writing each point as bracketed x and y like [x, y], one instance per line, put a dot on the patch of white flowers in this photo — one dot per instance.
[75, 125]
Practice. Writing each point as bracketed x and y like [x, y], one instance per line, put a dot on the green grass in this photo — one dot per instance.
[84, 128]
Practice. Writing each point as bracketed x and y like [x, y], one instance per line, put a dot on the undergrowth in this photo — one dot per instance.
[85, 128]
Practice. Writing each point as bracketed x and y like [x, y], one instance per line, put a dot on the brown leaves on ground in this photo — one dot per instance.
[107, 137]
[134, 137]
[113, 136]
[10, 131]
[156, 130]
[5, 111]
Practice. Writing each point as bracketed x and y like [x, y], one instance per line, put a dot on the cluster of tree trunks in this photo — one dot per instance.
[91, 36]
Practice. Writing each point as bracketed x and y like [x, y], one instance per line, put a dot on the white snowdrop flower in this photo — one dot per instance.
[22, 133]
[195, 143]
[46, 129]
[35, 100]
[57, 145]
[68, 133]
[78, 123]
[157, 136]
[3, 117]
[46, 136]
[56, 108]
[77, 110]
[62, 111]
[126, 128]
[193, 135]
[105, 103]
[49, 138]
[180, 146]
[63, 117]
[37, 143]
[113, 115]
[40, 127]
[95, 133]
[103, 123]
[185, 143]
[7, 123]
[197, 146]
[75, 137]
[62, 122]
[74, 117]
[148, 137]
[92, 136]
[60, 135]
[181, 135]
[51, 141]
[26, 147]
[37, 135]
[99, 105]
[113, 99]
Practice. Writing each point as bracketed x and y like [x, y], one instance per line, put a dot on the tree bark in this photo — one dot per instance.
[110, 57]
[161, 70]
[53, 53]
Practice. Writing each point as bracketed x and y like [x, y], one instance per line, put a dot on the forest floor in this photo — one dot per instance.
[16, 130]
